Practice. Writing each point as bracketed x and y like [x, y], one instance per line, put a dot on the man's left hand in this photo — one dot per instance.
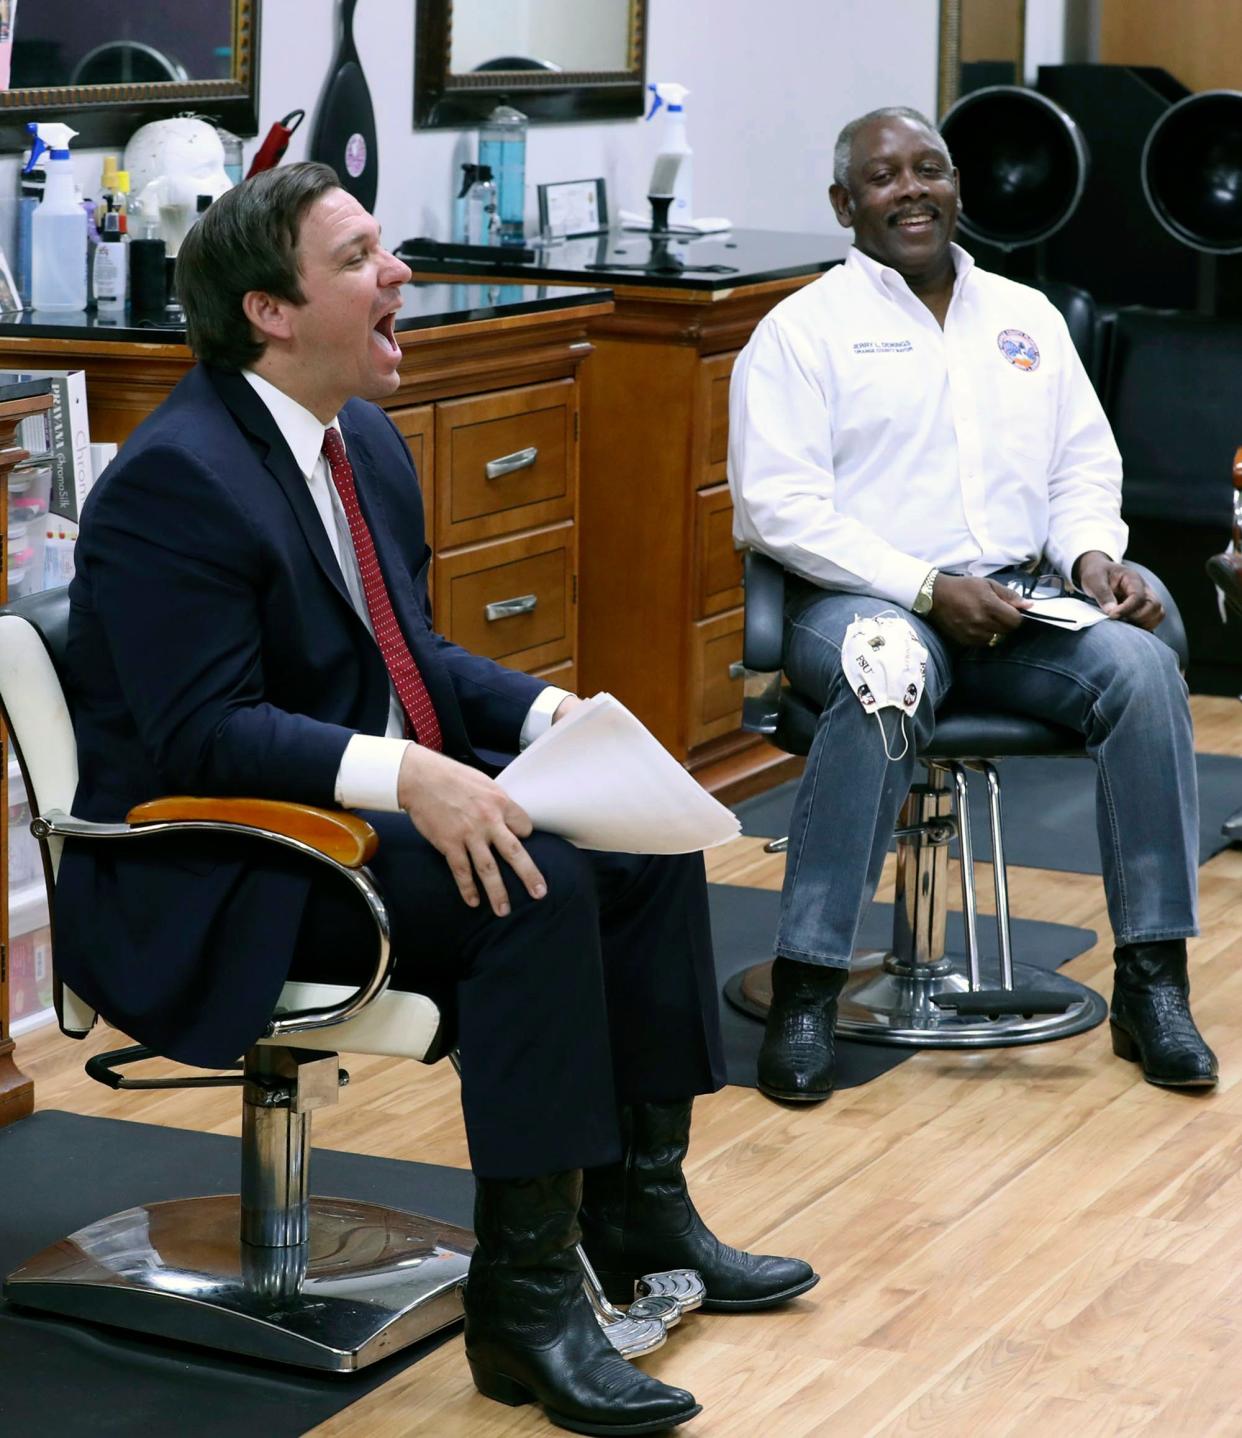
[1120, 591]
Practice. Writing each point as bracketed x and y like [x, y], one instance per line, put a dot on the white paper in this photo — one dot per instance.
[1065, 612]
[708, 225]
[601, 780]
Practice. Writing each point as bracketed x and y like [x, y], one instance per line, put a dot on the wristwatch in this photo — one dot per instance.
[923, 599]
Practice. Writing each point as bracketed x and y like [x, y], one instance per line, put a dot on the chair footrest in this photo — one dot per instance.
[992, 1003]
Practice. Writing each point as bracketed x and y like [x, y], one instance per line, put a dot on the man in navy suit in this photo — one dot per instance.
[250, 617]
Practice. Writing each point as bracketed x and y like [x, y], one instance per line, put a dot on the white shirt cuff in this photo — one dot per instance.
[367, 778]
[900, 577]
[539, 716]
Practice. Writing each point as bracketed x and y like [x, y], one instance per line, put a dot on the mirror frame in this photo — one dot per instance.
[447, 101]
[109, 114]
[949, 72]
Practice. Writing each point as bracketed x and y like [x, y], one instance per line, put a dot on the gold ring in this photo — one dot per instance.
[994, 641]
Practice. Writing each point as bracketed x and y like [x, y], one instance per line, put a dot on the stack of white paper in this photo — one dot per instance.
[1065, 612]
[601, 780]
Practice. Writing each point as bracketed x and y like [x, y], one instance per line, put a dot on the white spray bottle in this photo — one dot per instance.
[675, 152]
[58, 226]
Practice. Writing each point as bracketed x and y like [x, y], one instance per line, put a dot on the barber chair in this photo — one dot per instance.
[1225, 572]
[272, 1272]
[916, 994]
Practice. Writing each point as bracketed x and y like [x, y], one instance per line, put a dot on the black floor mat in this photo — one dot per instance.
[1048, 806]
[62, 1379]
[744, 923]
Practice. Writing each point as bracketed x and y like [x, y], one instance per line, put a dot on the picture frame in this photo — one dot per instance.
[573, 207]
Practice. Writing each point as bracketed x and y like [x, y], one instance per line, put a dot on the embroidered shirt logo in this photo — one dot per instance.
[1019, 349]
[882, 347]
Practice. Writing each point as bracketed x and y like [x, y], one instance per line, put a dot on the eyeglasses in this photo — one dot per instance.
[1039, 586]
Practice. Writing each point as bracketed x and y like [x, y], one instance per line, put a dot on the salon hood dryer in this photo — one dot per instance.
[1023, 164]
[1192, 179]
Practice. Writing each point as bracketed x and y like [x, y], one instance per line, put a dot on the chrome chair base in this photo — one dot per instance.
[643, 1327]
[885, 1002]
[369, 1281]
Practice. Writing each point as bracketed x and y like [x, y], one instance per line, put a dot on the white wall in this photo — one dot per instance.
[772, 84]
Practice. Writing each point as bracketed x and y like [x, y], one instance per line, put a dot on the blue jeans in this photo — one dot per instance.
[1116, 685]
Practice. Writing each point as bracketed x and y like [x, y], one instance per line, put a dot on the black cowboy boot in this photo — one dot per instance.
[797, 1060]
[637, 1218]
[531, 1336]
[1150, 1018]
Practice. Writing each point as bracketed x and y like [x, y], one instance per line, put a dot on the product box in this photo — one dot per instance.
[72, 476]
[30, 974]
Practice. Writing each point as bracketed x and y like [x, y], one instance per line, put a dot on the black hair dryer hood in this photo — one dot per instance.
[1023, 164]
[1192, 171]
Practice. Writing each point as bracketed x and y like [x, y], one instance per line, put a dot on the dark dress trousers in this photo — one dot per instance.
[214, 650]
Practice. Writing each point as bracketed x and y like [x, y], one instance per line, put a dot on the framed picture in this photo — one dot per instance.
[573, 207]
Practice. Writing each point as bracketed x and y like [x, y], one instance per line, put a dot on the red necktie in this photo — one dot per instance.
[402, 670]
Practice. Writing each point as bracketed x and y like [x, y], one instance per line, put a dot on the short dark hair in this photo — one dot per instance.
[842, 150]
[247, 240]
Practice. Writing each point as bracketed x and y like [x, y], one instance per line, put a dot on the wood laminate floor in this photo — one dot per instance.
[1021, 1243]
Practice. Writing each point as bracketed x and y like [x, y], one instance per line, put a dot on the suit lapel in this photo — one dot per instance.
[255, 418]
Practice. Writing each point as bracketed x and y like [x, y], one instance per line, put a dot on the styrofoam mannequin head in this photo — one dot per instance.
[171, 163]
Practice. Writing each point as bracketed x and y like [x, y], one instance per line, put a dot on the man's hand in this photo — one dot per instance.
[1120, 591]
[470, 819]
[974, 611]
[566, 707]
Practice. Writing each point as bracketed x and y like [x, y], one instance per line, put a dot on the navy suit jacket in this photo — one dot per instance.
[214, 650]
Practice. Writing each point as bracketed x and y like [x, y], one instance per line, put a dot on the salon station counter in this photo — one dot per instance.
[660, 598]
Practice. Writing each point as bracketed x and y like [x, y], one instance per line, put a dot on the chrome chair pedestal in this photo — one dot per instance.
[910, 995]
[368, 1280]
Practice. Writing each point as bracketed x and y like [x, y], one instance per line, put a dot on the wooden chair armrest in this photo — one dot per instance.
[336, 835]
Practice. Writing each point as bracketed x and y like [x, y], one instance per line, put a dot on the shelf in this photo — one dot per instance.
[27, 909]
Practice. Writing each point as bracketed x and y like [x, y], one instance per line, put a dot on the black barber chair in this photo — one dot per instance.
[916, 994]
[272, 1273]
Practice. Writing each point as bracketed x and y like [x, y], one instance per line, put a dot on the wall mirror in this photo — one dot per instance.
[551, 59]
[108, 66]
[982, 42]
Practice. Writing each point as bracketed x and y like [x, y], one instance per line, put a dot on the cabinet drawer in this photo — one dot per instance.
[563, 675]
[715, 698]
[712, 418]
[504, 462]
[417, 426]
[512, 600]
[718, 566]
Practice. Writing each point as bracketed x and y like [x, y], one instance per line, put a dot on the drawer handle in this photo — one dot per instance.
[506, 608]
[737, 670]
[507, 463]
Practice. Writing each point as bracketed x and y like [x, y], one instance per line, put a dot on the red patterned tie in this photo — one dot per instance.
[402, 670]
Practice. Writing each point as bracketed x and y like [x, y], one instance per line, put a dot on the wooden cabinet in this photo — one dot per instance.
[490, 410]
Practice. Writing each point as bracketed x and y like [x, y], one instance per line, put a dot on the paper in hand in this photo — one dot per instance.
[1065, 612]
[601, 780]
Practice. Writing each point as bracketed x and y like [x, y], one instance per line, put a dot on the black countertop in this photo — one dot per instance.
[745, 257]
[426, 306]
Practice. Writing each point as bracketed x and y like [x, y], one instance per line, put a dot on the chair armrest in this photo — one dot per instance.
[341, 837]
[307, 830]
[765, 612]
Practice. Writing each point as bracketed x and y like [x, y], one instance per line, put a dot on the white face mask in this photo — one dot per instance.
[886, 666]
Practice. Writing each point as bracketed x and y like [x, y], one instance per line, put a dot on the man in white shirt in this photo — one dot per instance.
[249, 617]
[900, 430]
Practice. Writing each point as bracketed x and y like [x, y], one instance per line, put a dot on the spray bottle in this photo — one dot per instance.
[58, 228]
[675, 149]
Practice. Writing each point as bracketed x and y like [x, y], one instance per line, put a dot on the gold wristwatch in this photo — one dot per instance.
[923, 599]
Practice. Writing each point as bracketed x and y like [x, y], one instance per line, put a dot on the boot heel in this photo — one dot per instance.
[499, 1388]
[1123, 1045]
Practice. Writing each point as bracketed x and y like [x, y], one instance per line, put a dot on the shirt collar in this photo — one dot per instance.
[886, 278]
[301, 431]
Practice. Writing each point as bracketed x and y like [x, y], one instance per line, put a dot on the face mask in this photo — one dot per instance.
[886, 666]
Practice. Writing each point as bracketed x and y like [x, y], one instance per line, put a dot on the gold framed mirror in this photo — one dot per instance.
[111, 65]
[552, 59]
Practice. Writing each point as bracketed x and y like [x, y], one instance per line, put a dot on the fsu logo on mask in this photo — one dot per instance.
[1019, 349]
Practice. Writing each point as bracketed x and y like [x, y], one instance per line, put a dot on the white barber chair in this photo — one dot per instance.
[272, 1272]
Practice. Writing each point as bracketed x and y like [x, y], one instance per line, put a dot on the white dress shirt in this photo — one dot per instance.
[367, 777]
[867, 445]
